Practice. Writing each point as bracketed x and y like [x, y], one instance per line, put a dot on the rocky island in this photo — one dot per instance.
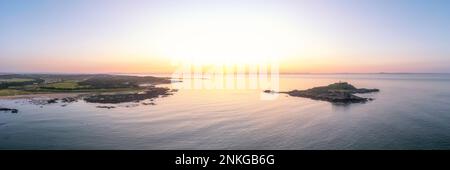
[8, 109]
[341, 92]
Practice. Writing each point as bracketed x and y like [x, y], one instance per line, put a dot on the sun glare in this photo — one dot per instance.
[214, 38]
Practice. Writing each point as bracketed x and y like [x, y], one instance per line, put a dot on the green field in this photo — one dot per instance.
[65, 85]
[12, 92]
[15, 80]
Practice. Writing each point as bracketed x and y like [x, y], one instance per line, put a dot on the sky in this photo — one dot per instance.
[145, 36]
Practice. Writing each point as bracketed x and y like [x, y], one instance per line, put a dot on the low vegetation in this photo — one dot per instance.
[18, 84]
[114, 81]
[12, 92]
[15, 80]
[64, 85]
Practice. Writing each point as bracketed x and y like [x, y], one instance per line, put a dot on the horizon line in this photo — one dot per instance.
[283, 73]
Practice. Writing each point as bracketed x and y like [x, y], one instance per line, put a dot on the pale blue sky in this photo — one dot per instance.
[380, 35]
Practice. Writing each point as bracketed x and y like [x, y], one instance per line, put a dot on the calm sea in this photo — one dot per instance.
[412, 111]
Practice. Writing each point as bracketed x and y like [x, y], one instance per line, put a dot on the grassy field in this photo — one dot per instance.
[12, 92]
[65, 85]
[15, 80]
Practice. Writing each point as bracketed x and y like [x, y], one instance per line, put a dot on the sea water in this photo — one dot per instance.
[412, 111]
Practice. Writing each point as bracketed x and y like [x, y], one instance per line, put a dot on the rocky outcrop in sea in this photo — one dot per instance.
[341, 92]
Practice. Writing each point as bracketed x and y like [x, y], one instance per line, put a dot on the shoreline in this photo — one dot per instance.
[41, 95]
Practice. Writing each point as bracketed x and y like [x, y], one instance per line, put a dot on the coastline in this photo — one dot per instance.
[41, 95]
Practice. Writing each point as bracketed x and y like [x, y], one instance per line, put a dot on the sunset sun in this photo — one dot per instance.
[217, 38]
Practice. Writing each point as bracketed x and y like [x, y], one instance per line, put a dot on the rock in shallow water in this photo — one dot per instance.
[106, 107]
[8, 109]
